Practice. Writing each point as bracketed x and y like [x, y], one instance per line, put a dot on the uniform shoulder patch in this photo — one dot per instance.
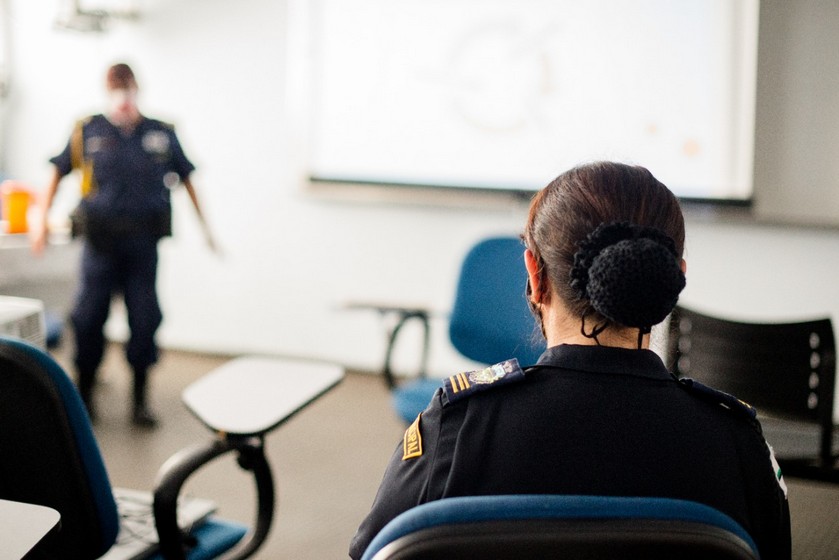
[412, 441]
[464, 384]
[723, 399]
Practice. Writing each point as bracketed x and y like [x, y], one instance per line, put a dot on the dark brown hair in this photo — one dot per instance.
[574, 204]
[120, 76]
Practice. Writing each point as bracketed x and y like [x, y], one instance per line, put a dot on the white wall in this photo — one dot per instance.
[290, 259]
[218, 69]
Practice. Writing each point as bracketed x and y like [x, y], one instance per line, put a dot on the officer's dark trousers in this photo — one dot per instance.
[126, 265]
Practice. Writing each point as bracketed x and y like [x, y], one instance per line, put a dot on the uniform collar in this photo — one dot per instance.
[605, 359]
[130, 131]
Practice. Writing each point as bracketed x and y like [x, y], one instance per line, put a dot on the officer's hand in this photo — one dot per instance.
[211, 242]
[38, 236]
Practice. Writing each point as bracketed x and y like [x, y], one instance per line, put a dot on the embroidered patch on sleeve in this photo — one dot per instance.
[464, 384]
[412, 442]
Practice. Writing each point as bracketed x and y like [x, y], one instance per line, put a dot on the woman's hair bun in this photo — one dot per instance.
[630, 274]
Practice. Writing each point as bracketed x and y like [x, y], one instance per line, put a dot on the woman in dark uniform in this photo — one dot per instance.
[599, 414]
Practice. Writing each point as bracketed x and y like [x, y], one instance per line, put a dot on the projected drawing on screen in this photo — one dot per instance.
[496, 94]
[499, 75]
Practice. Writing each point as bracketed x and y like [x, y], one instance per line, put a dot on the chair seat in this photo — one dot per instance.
[213, 537]
[411, 397]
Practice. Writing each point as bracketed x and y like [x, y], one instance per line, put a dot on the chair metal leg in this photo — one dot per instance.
[174, 473]
[404, 316]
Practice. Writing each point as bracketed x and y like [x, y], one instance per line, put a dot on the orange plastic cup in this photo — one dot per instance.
[15, 202]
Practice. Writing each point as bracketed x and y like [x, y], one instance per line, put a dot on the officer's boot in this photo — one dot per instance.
[142, 416]
[86, 382]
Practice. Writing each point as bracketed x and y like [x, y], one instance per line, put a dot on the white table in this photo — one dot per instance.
[252, 395]
[22, 526]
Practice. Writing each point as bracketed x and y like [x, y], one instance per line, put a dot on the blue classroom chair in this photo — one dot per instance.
[490, 320]
[50, 457]
[567, 527]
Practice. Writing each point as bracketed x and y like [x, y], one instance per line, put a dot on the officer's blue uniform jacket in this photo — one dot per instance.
[124, 215]
[588, 420]
[131, 172]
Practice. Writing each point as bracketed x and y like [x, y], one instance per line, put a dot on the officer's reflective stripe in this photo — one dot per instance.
[453, 381]
[464, 382]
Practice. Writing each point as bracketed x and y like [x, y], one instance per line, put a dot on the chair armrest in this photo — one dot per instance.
[406, 315]
[174, 473]
[403, 315]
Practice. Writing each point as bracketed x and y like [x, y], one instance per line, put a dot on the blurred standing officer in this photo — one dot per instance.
[128, 163]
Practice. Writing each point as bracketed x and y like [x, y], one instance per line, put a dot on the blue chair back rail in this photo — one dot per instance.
[551, 526]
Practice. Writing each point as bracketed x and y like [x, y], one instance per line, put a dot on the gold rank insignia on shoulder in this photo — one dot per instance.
[464, 384]
[412, 442]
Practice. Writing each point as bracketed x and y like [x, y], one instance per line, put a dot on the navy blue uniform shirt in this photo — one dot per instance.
[131, 170]
[589, 420]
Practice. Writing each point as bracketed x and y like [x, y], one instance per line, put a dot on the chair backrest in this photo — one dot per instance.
[490, 319]
[48, 453]
[785, 370]
[569, 527]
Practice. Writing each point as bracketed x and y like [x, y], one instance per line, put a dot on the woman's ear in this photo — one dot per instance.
[684, 266]
[534, 276]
